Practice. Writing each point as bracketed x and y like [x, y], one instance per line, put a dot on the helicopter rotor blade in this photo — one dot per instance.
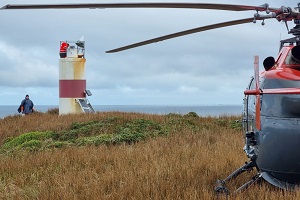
[275, 13]
[230, 7]
[182, 33]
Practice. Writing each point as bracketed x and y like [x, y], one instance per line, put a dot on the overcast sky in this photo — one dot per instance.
[207, 68]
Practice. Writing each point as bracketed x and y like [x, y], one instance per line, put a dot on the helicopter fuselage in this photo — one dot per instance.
[274, 147]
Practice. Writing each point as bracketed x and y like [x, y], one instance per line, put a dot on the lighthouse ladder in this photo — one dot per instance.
[85, 106]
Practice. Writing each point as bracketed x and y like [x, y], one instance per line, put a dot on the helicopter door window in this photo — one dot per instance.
[281, 105]
[249, 107]
[251, 98]
[278, 58]
[290, 60]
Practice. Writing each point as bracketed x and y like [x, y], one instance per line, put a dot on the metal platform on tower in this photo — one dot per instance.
[85, 105]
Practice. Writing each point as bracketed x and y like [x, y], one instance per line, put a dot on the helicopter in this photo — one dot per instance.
[271, 114]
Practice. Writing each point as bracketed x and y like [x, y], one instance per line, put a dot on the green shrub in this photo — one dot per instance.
[25, 138]
[192, 114]
[31, 145]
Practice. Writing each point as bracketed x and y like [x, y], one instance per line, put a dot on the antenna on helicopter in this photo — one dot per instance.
[257, 88]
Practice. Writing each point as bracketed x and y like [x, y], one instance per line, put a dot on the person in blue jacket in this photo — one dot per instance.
[26, 106]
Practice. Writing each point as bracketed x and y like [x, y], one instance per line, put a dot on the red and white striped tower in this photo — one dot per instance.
[72, 82]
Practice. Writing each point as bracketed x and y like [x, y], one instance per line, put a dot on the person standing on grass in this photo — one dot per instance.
[26, 106]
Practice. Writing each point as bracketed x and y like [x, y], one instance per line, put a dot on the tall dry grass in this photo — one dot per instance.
[183, 165]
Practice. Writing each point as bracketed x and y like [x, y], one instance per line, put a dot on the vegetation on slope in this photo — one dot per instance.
[117, 155]
[107, 131]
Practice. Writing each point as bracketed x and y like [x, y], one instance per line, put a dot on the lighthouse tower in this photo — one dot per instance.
[72, 82]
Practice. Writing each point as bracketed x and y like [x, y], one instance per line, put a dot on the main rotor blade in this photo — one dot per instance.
[182, 33]
[231, 7]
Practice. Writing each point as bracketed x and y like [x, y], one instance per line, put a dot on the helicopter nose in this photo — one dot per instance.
[278, 149]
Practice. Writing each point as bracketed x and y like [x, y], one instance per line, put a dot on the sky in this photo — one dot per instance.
[206, 68]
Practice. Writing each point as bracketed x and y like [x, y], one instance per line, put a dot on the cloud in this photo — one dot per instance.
[187, 89]
[212, 67]
[25, 67]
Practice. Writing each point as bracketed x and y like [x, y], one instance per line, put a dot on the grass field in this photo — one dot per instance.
[117, 155]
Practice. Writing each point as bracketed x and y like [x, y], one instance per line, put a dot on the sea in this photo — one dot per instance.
[201, 110]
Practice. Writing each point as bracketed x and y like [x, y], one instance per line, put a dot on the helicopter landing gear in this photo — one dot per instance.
[220, 184]
[249, 183]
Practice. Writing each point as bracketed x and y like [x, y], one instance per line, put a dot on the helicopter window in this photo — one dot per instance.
[278, 58]
[281, 105]
[249, 107]
[280, 83]
[251, 98]
[290, 61]
[250, 85]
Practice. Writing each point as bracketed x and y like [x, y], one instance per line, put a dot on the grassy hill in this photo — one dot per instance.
[118, 155]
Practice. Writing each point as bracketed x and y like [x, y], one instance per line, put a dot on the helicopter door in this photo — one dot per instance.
[249, 108]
